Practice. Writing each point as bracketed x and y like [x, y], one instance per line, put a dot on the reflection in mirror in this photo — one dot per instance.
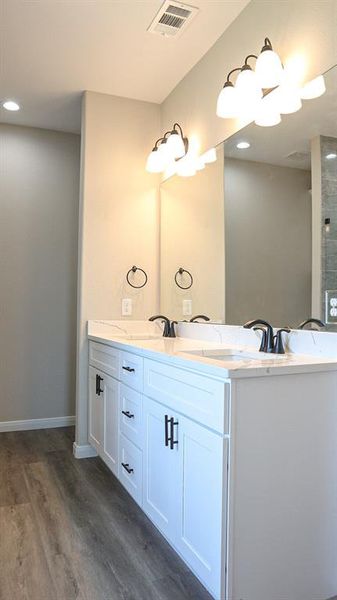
[258, 229]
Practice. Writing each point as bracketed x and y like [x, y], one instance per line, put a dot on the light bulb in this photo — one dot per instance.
[313, 89]
[227, 104]
[268, 68]
[267, 114]
[199, 163]
[209, 156]
[175, 145]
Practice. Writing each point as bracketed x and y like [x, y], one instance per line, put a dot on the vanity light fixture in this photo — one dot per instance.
[243, 145]
[166, 150]
[11, 105]
[266, 93]
[173, 154]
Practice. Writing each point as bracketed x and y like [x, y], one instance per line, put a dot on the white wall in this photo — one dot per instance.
[304, 29]
[39, 188]
[119, 219]
[193, 236]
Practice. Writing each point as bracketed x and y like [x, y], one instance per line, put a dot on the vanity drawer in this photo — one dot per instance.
[131, 370]
[105, 358]
[203, 399]
[131, 414]
[130, 468]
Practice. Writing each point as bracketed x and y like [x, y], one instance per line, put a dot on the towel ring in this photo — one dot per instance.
[180, 272]
[133, 270]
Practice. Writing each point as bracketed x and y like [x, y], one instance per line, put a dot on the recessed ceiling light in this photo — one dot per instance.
[331, 155]
[243, 145]
[11, 105]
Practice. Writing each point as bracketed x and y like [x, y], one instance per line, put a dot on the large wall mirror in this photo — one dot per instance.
[251, 228]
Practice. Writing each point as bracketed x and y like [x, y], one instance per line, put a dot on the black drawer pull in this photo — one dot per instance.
[128, 369]
[169, 437]
[166, 430]
[127, 468]
[98, 385]
[128, 414]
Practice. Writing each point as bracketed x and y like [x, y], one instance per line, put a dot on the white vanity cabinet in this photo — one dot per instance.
[163, 431]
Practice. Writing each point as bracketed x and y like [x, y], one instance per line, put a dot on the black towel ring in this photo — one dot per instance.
[180, 272]
[133, 270]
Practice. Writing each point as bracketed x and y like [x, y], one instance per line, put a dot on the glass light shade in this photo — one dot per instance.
[175, 145]
[247, 85]
[227, 104]
[268, 69]
[199, 163]
[286, 99]
[153, 163]
[186, 166]
[313, 89]
[209, 156]
[267, 114]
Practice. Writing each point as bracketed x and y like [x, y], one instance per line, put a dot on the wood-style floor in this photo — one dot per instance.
[68, 529]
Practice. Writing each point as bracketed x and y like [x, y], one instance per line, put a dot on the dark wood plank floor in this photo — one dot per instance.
[69, 530]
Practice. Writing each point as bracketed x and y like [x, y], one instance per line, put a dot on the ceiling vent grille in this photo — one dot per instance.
[172, 18]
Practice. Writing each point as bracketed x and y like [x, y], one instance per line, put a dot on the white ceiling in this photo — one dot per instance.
[52, 50]
[273, 145]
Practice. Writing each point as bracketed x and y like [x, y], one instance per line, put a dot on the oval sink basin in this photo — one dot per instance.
[233, 354]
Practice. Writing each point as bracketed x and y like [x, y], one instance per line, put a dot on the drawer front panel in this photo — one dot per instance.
[204, 400]
[131, 370]
[131, 415]
[130, 468]
[104, 358]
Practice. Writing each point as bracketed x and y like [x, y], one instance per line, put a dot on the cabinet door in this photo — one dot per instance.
[96, 408]
[161, 472]
[110, 446]
[202, 511]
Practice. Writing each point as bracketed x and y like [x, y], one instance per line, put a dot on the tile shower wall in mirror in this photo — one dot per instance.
[251, 227]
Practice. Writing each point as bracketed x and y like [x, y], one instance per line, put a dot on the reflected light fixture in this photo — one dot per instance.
[11, 105]
[247, 98]
[331, 156]
[313, 89]
[243, 145]
[173, 154]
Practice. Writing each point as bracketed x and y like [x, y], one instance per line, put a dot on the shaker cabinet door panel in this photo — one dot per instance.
[202, 512]
[111, 399]
[161, 473]
[96, 409]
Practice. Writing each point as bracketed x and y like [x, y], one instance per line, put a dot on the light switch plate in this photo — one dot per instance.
[187, 308]
[126, 307]
[331, 306]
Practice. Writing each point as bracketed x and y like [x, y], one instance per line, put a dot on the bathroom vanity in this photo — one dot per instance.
[231, 453]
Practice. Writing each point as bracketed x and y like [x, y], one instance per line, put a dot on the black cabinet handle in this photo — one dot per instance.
[172, 440]
[166, 430]
[128, 414]
[98, 385]
[169, 437]
[126, 467]
[129, 369]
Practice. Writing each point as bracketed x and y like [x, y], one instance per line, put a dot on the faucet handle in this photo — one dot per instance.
[278, 346]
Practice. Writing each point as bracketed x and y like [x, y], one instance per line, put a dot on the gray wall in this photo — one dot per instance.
[39, 180]
[267, 243]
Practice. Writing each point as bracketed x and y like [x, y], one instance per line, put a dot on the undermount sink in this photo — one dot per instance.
[232, 354]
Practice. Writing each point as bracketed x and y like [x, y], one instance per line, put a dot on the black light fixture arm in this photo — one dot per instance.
[231, 73]
[248, 57]
[177, 126]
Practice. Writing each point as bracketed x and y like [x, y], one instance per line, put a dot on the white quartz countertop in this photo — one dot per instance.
[175, 351]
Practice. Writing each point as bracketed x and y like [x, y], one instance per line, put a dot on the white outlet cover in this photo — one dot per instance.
[187, 308]
[126, 307]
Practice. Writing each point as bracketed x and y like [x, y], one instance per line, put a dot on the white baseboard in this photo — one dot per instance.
[83, 451]
[36, 424]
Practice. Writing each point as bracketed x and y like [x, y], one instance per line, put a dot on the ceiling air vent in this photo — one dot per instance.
[172, 18]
